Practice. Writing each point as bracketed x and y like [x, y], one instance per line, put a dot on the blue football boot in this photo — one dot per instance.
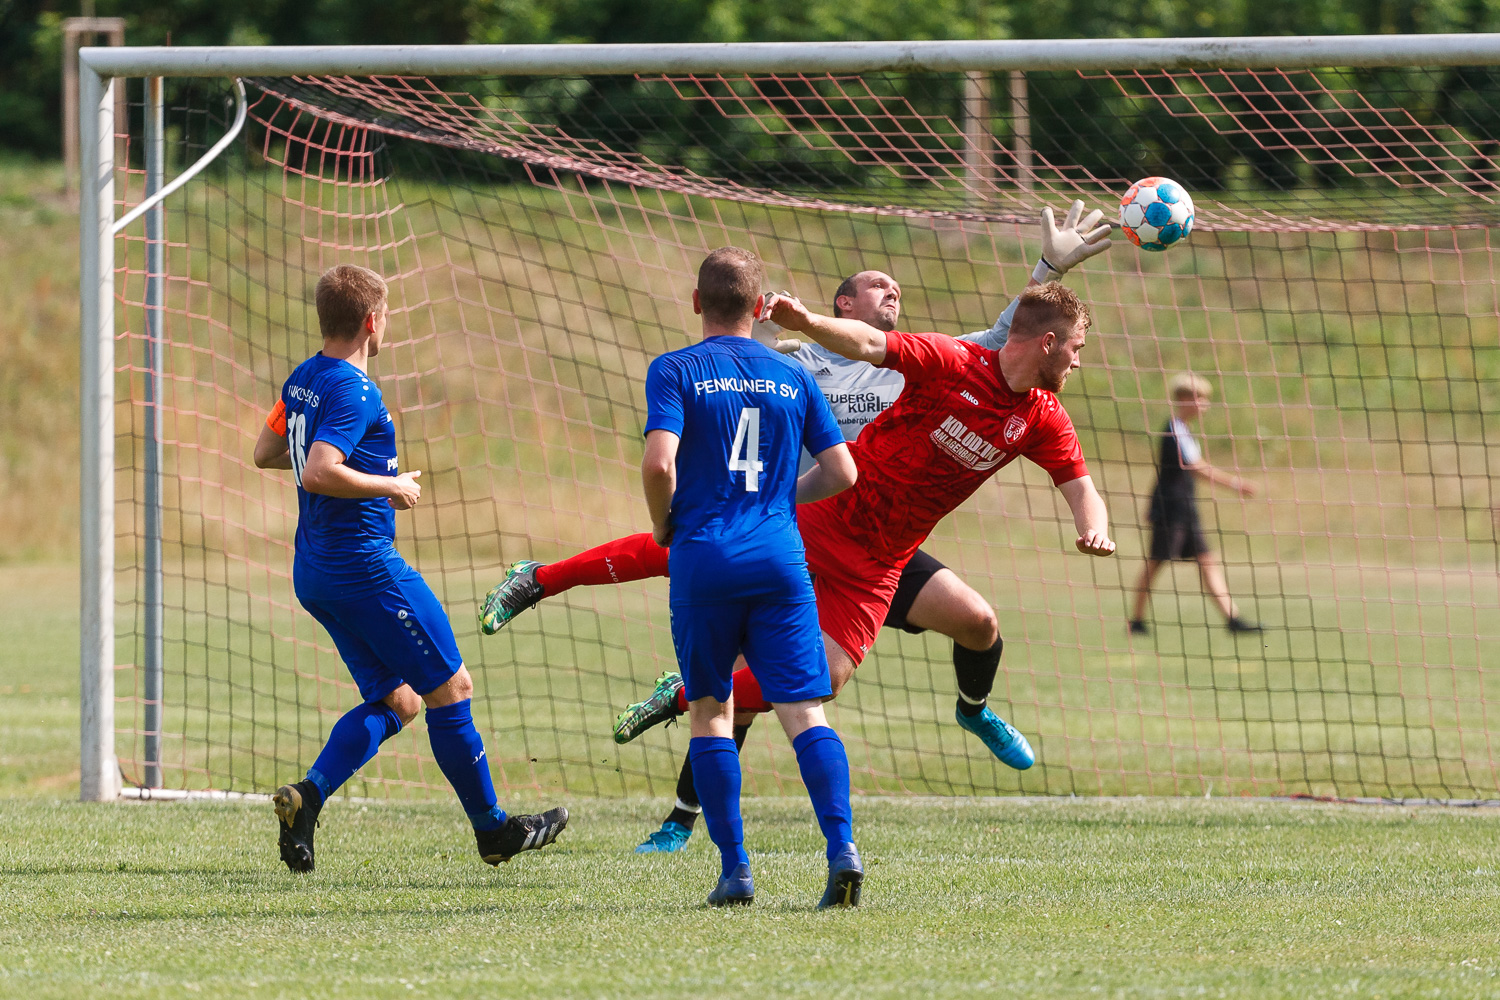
[846, 879]
[671, 838]
[735, 889]
[1003, 739]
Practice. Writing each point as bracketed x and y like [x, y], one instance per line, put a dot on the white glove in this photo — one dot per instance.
[1066, 248]
[769, 333]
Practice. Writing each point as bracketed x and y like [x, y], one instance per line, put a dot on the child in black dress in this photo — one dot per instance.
[1175, 531]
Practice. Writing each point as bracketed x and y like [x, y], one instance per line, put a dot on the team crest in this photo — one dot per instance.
[1014, 428]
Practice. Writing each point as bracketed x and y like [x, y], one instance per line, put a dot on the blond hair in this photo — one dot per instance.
[1186, 385]
[1051, 307]
[345, 295]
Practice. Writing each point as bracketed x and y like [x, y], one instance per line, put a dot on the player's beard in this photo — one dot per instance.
[883, 320]
[1053, 381]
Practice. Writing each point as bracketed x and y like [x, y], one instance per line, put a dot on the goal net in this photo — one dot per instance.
[541, 237]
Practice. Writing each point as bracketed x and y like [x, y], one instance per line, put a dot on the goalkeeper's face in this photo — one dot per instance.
[876, 300]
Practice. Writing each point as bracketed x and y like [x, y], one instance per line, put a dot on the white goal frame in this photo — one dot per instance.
[100, 68]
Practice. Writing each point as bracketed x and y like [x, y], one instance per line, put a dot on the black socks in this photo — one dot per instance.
[975, 670]
[685, 811]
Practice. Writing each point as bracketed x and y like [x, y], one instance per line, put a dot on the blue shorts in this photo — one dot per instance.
[781, 642]
[397, 635]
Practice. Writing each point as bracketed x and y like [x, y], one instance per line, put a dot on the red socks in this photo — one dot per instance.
[747, 696]
[634, 557]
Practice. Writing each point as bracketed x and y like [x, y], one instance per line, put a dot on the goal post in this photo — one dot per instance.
[1357, 702]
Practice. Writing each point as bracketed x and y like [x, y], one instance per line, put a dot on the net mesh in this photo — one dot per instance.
[541, 237]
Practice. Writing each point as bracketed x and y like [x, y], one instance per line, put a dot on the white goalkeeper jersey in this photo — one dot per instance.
[858, 392]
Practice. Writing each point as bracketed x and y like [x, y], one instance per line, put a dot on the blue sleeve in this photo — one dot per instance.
[664, 406]
[345, 416]
[820, 431]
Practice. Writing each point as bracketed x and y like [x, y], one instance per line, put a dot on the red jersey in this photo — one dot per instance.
[955, 424]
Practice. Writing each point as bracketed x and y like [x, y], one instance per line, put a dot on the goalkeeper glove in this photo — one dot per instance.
[1075, 242]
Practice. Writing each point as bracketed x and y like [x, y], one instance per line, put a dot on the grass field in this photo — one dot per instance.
[1062, 898]
[966, 897]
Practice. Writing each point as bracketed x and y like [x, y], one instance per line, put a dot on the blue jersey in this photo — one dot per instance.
[344, 546]
[744, 414]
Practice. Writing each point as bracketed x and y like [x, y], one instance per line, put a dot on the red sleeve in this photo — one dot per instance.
[1054, 445]
[276, 419]
[921, 356]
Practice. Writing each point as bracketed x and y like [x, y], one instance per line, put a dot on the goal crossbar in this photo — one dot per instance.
[787, 57]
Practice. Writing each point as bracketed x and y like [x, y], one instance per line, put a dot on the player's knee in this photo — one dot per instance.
[459, 687]
[405, 702]
[978, 629]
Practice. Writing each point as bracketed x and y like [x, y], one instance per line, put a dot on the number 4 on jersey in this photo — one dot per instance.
[744, 453]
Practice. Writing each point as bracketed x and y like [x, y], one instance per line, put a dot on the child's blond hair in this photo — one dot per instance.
[1188, 386]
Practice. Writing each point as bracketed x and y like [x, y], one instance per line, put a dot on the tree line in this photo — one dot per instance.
[1074, 121]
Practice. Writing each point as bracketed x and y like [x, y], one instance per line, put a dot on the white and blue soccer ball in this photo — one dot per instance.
[1156, 213]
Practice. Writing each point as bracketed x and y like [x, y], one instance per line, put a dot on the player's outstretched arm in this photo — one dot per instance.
[659, 481]
[1063, 248]
[834, 472]
[271, 451]
[1090, 516]
[849, 338]
[325, 473]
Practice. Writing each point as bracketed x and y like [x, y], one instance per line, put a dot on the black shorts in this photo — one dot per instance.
[1179, 537]
[913, 578]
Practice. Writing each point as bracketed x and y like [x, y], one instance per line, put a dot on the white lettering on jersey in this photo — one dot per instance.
[391, 464]
[966, 394]
[856, 391]
[303, 393]
[760, 385]
[968, 448]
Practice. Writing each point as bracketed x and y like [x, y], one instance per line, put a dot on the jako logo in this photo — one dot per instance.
[966, 394]
[968, 448]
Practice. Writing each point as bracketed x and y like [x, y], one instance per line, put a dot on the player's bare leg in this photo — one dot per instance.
[1143, 595]
[1211, 571]
[947, 605]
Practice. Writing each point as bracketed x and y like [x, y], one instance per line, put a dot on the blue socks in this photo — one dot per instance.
[459, 751]
[355, 738]
[825, 772]
[716, 776]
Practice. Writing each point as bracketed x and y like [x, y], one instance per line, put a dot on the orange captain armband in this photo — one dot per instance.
[276, 419]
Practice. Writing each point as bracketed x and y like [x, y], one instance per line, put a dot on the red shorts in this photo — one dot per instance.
[853, 590]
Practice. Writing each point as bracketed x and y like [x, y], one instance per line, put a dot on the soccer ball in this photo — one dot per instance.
[1156, 213]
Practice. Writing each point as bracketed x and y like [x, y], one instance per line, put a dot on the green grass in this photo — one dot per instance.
[39, 681]
[965, 898]
[1056, 898]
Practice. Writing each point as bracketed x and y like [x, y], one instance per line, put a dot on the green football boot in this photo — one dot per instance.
[515, 594]
[660, 707]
